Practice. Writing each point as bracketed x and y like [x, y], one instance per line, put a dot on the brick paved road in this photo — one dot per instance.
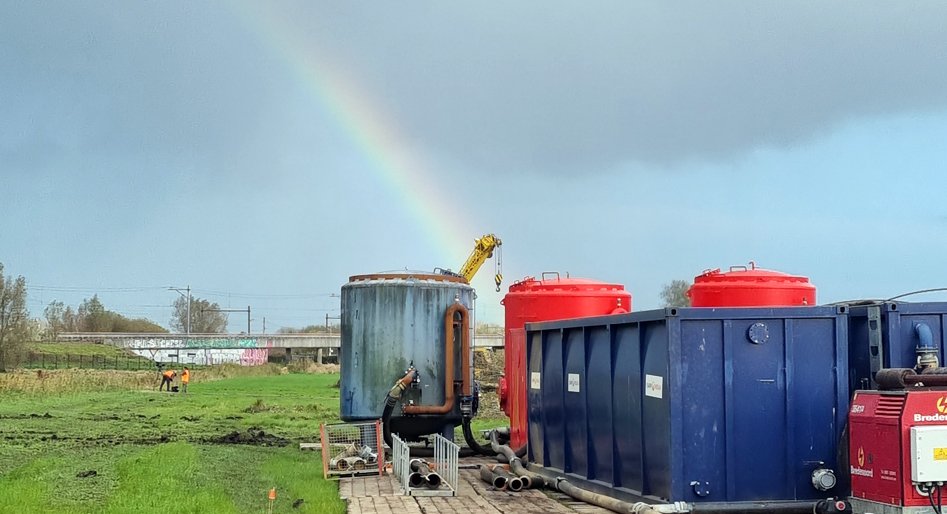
[381, 495]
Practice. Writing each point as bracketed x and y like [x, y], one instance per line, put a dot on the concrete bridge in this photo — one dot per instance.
[245, 349]
[231, 341]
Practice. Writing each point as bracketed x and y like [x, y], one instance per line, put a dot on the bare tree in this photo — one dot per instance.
[204, 317]
[15, 326]
[674, 294]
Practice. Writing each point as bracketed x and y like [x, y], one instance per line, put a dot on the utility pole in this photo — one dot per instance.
[328, 329]
[187, 324]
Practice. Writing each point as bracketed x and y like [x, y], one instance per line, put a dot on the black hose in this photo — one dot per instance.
[415, 451]
[501, 450]
[535, 481]
[386, 418]
[472, 441]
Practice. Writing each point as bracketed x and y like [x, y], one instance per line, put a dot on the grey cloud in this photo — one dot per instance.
[579, 86]
[500, 87]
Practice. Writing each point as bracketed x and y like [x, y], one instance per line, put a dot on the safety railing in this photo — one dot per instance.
[418, 477]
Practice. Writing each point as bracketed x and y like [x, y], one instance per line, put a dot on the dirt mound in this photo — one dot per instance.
[251, 437]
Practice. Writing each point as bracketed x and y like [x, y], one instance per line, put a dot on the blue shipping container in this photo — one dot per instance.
[698, 404]
[885, 335]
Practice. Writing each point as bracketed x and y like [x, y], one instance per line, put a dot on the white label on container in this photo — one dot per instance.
[534, 380]
[573, 382]
[654, 386]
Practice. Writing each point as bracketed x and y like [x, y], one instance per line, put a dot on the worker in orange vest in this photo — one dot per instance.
[185, 378]
[166, 378]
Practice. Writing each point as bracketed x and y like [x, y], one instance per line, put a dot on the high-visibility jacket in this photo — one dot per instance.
[185, 376]
[169, 373]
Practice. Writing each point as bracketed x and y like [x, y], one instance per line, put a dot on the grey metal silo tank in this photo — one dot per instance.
[391, 321]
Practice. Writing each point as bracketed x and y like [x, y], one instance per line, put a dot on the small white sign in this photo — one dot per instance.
[573, 383]
[654, 386]
[534, 380]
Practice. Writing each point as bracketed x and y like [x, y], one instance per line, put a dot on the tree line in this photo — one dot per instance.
[17, 327]
[92, 316]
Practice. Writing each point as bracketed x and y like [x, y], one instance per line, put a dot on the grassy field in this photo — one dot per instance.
[88, 349]
[218, 449]
[79, 355]
[91, 441]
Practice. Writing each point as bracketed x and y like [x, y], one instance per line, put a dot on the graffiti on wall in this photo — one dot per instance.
[203, 350]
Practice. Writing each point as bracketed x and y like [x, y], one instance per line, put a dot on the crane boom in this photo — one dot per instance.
[483, 250]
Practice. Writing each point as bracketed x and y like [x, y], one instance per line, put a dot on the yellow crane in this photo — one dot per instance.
[483, 250]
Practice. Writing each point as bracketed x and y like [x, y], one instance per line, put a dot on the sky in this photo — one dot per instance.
[264, 152]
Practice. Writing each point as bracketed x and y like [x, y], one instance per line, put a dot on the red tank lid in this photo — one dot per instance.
[562, 284]
[749, 286]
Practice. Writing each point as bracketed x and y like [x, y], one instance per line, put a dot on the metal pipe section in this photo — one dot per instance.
[513, 482]
[433, 480]
[415, 479]
[487, 475]
[901, 378]
[449, 321]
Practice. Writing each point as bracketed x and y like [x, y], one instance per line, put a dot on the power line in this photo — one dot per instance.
[80, 289]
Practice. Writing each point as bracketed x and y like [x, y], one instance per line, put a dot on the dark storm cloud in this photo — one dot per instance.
[501, 87]
[581, 86]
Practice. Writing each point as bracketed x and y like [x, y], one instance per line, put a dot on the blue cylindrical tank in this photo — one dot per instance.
[702, 405]
[390, 322]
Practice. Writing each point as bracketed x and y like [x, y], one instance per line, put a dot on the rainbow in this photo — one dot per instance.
[393, 159]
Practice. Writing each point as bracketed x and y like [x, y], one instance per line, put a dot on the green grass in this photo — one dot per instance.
[155, 452]
[80, 355]
[85, 349]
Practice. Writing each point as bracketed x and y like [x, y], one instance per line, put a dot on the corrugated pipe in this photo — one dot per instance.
[623, 507]
[507, 455]
[536, 481]
[605, 502]
[505, 451]
[756, 508]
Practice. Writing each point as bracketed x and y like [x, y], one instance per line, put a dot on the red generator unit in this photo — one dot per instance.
[898, 450]
[749, 286]
[551, 298]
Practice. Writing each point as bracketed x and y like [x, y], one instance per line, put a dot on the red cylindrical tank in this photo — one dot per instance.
[749, 286]
[551, 298]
